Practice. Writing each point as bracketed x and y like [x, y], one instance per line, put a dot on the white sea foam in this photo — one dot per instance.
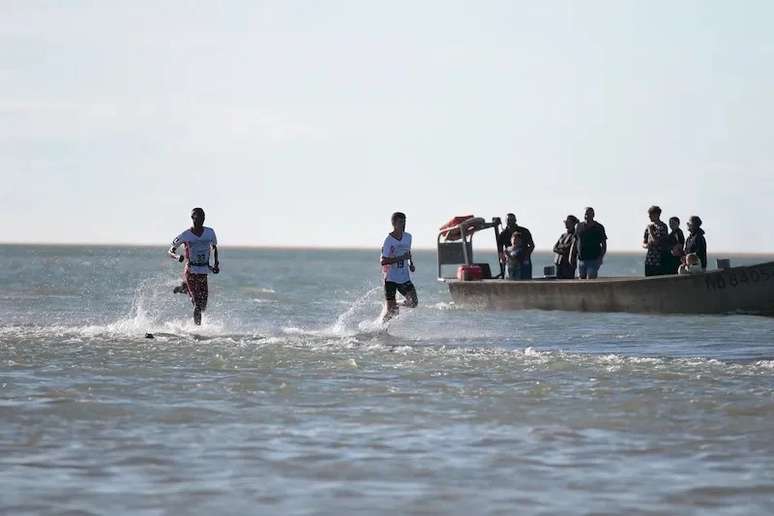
[294, 330]
[424, 332]
[328, 340]
[354, 320]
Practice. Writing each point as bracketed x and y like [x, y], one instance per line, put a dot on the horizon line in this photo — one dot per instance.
[321, 247]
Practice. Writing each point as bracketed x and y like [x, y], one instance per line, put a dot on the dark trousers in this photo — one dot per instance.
[674, 264]
[565, 271]
[657, 270]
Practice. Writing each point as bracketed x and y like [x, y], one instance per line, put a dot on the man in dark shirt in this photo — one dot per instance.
[590, 244]
[695, 243]
[504, 242]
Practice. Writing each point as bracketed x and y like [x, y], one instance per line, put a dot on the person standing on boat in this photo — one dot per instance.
[504, 243]
[563, 259]
[656, 241]
[589, 245]
[676, 245]
[198, 240]
[516, 257]
[396, 263]
[696, 243]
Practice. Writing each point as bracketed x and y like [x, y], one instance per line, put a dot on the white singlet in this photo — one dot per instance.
[397, 272]
[197, 249]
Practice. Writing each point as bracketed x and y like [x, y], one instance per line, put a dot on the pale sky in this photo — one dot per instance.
[309, 123]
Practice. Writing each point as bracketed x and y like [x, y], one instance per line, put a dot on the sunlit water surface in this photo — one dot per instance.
[291, 398]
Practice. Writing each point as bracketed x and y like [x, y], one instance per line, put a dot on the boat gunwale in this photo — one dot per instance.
[607, 279]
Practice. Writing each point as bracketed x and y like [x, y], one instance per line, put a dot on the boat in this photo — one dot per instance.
[728, 290]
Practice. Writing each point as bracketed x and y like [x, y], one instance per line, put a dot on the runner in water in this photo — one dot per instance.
[197, 241]
[396, 253]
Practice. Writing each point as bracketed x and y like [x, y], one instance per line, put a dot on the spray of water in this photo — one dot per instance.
[155, 310]
[355, 319]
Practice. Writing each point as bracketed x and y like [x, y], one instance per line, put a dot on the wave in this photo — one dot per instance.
[149, 315]
[449, 352]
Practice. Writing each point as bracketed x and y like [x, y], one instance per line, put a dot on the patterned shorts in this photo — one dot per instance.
[197, 289]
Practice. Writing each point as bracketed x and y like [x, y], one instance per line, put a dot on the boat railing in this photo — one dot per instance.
[457, 245]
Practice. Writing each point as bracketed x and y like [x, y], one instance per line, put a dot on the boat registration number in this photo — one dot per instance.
[734, 279]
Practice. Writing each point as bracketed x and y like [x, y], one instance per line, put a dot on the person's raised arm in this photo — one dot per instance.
[389, 260]
[558, 247]
[172, 252]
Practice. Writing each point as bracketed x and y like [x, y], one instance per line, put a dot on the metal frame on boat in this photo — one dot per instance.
[457, 245]
[747, 289]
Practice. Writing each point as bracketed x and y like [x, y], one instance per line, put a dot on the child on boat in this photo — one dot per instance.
[692, 265]
[516, 256]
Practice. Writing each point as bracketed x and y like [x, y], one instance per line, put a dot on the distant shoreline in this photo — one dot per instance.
[329, 248]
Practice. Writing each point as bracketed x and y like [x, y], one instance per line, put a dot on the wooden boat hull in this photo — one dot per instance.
[747, 290]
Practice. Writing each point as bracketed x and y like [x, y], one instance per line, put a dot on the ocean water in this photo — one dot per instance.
[291, 399]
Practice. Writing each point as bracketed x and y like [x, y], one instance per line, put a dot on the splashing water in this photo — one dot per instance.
[305, 401]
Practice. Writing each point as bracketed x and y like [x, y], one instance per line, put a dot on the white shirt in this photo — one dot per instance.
[397, 272]
[197, 249]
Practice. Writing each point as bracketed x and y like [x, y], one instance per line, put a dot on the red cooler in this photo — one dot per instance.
[469, 273]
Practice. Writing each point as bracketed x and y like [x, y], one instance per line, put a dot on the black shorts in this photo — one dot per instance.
[406, 290]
